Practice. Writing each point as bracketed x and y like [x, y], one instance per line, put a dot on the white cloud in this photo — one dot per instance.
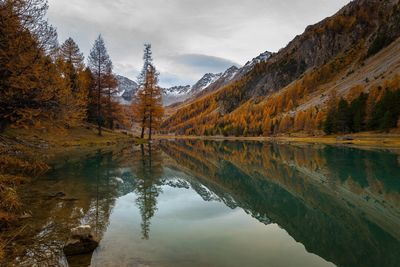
[228, 30]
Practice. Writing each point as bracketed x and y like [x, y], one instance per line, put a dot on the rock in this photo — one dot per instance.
[80, 246]
[81, 241]
[83, 231]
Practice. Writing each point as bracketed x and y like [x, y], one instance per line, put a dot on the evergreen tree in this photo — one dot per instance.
[101, 66]
[72, 68]
[358, 113]
[330, 124]
[147, 60]
[69, 50]
[110, 90]
[343, 116]
[386, 111]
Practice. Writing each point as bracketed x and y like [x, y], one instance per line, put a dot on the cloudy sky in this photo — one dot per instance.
[189, 37]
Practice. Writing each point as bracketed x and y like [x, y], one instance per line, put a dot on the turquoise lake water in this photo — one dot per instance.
[220, 203]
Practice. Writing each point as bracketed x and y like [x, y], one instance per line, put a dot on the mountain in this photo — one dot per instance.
[223, 80]
[352, 52]
[263, 57]
[204, 82]
[211, 82]
[175, 94]
[207, 83]
[126, 89]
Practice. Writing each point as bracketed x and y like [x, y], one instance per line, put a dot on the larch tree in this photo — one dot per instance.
[100, 65]
[154, 108]
[139, 110]
[148, 98]
[111, 106]
[147, 60]
[73, 59]
[26, 68]
[76, 91]
[147, 107]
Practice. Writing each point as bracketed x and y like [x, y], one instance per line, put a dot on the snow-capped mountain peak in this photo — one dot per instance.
[177, 90]
[260, 58]
[230, 73]
[126, 89]
[205, 81]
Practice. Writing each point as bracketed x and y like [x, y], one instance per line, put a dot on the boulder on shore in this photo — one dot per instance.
[81, 241]
[81, 232]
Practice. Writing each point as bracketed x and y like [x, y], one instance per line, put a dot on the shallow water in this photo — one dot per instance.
[205, 203]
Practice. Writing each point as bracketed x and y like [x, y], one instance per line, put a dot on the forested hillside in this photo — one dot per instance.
[340, 75]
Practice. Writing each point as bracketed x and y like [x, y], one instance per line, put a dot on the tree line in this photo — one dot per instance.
[41, 80]
[360, 114]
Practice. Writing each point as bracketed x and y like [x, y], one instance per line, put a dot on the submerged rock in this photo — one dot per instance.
[81, 241]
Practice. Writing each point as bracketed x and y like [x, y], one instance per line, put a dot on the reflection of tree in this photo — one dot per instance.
[148, 173]
[90, 189]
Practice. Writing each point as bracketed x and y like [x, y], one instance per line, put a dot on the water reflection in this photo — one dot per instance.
[342, 204]
[149, 170]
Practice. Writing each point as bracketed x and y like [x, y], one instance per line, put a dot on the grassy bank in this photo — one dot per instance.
[366, 139]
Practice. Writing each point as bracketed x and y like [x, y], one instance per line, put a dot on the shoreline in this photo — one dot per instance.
[363, 140]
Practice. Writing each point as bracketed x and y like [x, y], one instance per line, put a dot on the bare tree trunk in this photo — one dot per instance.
[143, 125]
[111, 124]
[150, 128]
[98, 100]
[98, 111]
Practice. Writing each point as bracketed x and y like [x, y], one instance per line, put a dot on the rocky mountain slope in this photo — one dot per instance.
[208, 83]
[175, 94]
[335, 50]
[222, 80]
[234, 73]
[204, 82]
[179, 94]
[126, 89]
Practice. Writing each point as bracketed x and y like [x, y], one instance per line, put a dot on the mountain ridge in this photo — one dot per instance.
[337, 44]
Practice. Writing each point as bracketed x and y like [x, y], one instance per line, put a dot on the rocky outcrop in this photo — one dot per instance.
[126, 89]
[228, 76]
[358, 23]
[337, 45]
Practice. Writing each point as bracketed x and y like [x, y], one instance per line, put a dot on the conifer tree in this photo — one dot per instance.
[155, 107]
[111, 107]
[71, 53]
[147, 60]
[100, 65]
[26, 69]
[147, 108]
[72, 68]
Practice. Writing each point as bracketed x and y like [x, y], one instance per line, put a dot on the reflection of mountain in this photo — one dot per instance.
[342, 204]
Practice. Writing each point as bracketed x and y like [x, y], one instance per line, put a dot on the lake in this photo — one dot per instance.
[219, 203]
